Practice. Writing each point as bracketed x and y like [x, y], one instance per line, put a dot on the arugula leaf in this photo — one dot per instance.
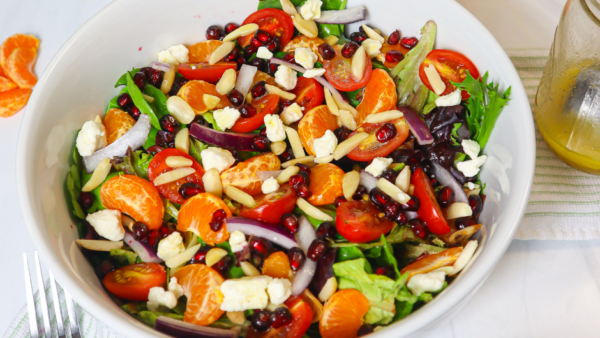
[140, 102]
[123, 79]
[196, 147]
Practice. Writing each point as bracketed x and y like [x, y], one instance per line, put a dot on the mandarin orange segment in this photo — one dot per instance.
[314, 124]
[432, 262]
[262, 76]
[277, 265]
[202, 287]
[19, 67]
[325, 183]
[12, 101]
[343, 314]
[193, 92]
[6, 84]
[305, 42]
[14, 42]
[135, 197]
[201, 51]
[195, 216]
[117, 123]
[244, 174]
[379, 95]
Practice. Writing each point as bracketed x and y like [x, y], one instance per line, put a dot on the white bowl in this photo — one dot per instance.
[79, 82]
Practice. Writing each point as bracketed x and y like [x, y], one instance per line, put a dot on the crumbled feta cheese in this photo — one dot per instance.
[286, 77]
[226, 117]
[264, 53]
[471, 148]
[275, 128]
[237, 241]
[426, 282]
[291, 114]
[158, 296]
[470, 185]
[165, 56]
[170, 246]
[215, 157]
[305, 57]
[107, 224]
[471, 168]
[179, 52]
[378, 165]
[269, 185]
[175, 288]
[245, 293]
[325, 145]
[372, 47]
[91, 137]
[279, 290]
[309, 74]
[311, 9]
[449, 100]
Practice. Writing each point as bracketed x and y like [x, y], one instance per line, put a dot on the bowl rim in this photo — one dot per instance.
[486, 262]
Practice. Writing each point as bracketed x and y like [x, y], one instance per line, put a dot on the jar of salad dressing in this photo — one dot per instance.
[568, 98]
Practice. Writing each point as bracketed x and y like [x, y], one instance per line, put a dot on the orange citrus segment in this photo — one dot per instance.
[201, 51]
[325, 183]
[19, 67]
[343, 314]
[277, 265]
[244, 174]
[135, 197]
[202, 287]
[6, 84]
[117, 123]
[193, 92]
[262, 76]
[379, 95]
[14, 42]
[432, 262]
[195, 216]
[12, 101]
[314, 124]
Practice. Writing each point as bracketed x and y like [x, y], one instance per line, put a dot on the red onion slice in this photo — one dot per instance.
[245, 79]
[177, 328]
[262, 229]
[265, 175]
[368, 180]
[445, 178]
[342, 17]
[416, 125]
[222, 139]
[134, 138]
[146, 253]
[291, 65]
[305, 236]
[160, 66]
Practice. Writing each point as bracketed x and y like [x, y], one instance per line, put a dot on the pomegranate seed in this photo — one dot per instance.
[218, 219]
[153, 238]
[262, 36]
[476, 204]
[165, 139]
[342, 133]
[327, 52]
[378, 197]
[289, 58]
[349, 49]
[316, 249]
[281, 317]
[287, 155]
[232, 56]
[394, 38]
[394, 56]
[286, 103]
[418, 227]
[401, 218]
[445, 197]
[359, 193]
[296, 181]
[223, 265]
[255, 42]
[303, 167]
[305, 175]
[261, 246]
[261, 320]
[271, 68]
[387, 271]
[297, 258]
[249, 51]
[386, 133]
[104, 268]
[413, 205]
[200, 256]
[140, 80]
[326, 230]
[259, 63]
[263, 132]
[230, 27]
[213, 32]
[86, 199]
[164, 231]
[168, 123]
[140, 231]
[259, 89]
[389, 174]
[235, 98]
[274, 45]
[189, 189]
[154, 150]
[134, 112]
[247, 111]
[156, 78]
[260, 143]
[391, 210]
[463, 222]
[364, 330]
[409, 43]
[124, 101]
[290, 222]
[358, 37]
[177, 84]
[303, 191]
[339, 200]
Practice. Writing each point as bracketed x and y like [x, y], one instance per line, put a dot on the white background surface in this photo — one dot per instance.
[539, 288]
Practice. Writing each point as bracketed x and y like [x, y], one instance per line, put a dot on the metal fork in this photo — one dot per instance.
[47, 330]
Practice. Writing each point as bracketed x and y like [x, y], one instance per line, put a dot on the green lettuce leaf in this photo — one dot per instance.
[134, 163]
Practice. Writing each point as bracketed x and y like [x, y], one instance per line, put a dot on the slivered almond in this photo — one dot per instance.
[295, 142]
[249, 269]
[214, 255]
[221, 52]
[167, 81]
[285, 175]
[312, 211]
[385, 116]
[332, 40]
[324, 159]
[328, 289]
[148, 98]
[348, 145]
[371, 33]
[237, 317]
[178, 162]
[212, 182]
[309, 160]
[242, 31]
[182, 140]
[403, 179]
[347, 120]
[173, 175]
[458, 210]
[345, 106]
[183, 257]
[98, 176]
[278, 147]
[283, 94]
[306, 27]
[331, 105]
[210, 101]
[127, 222]
[288, 7]
[350, 183]
[227, 82]
[435, 80]
[99, 245]
[393, 191]
[359, 61]
[240, 196]
[180, 109]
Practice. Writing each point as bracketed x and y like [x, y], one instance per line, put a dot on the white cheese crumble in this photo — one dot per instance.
[311, 9]
[264, 53]
[372, 47]
[245, 293]
[275, 128]
[279, 290]
[269, 185]
[309, 74]
[175, 288]
[291, 114]
[237, 241]
[180, 53]
[158, 296]
[449, 100]
[107, 224]
[286, 77]
[91, 137]
[170, 246]
[426, 282]
[471, 168]
[305, 57]
[226, 117]
[378, 165]
[165, 56]
[471, 148]
[215, 157]
[325, 145]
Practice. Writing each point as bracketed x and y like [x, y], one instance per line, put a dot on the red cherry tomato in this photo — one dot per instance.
[357, 222]
[158, 166]
[301, 319]
[429, 211]
[451, 66]
[309, 93]
[133, 282]
[371, 148]
[271, 207]
[273, 21]
[205, 72]
[268, 104]
[339, 72]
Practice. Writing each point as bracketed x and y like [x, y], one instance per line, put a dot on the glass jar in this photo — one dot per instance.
[568, 98]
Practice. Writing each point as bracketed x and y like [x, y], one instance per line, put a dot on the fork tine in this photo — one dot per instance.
[60, 328]
[73, 323]
[33, 329]
[42, 292]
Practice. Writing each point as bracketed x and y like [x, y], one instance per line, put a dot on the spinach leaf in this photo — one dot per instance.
[160, 100]
[277, 3]
[151, 140]
[123, 79]
[330, 29]
[234, 272]
[140, 102]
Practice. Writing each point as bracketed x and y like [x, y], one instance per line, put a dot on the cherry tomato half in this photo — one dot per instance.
[268, 104]
[339, 72]
[205, 72]
[158, 165]
[371, 148]
[273, 21]
[301, 319]
[133, 282]
[451, 66]
[271, 207]
[357, 222]
[429, 211]
[309, 93]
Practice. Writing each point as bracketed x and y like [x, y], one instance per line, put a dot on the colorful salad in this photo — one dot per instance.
[286, 177]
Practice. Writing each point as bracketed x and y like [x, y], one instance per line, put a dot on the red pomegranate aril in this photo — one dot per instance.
[339, 200]
[177, 84]
[280, 317]
[386, 132]
[232, 56]
[303, 167]
[263, 132]
[391, 210]
[134, 112]
[409, 43]
[289, 58]
[262, 36]
[230, 27]
[223, 265]
[445, 197]
[296, 181]
[290, 222]
[249, 51]
[165, 231]
[326, 51]
[86, 199]
[274, 45]
[235, 98]
[394, 56]
[247, 110]
[154, 150]
[287, 155]
[200, 256]
[342, 133]
[261, 320]
[259, 89]
[394, 38]
[261, 246]
[359, 193]
[358, 37]
[326, 230]
[476, 204]
[255, 42]
[418, 227]
[401, 218]
[316, 249]
[259, 63]
[260, 143]
[305, 175]
[168, 123]
[124, 101]
[140, 80]
[303, 191]
[165, 139]
[349, 49]
[155, 78]
[190, 189]
[286, 103]
[412, 205]
[153, 238]
[364, 330]
[463, 222]
[140, 231]
[272, 68]
[213, 32]
[218, 219]
[104, 268]
[378, 197]
[297, 258]
[390, 175]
